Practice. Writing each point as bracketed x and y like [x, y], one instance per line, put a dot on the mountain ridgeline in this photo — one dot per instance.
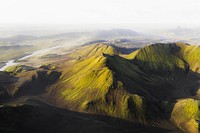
[157, 85]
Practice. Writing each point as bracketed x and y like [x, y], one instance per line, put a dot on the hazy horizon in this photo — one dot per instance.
[43, 17]
[8, 30]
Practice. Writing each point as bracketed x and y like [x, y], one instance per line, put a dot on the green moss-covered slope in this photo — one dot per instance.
[142, 87]
[191, 54]
[186, 114]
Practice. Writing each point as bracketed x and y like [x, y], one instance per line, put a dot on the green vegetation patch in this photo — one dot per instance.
[160, 58]
[185, 114]
[19, 69]
[191, 54]
[48, 66]
[93, 50]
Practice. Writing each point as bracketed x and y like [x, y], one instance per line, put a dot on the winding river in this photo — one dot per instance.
[12, 62]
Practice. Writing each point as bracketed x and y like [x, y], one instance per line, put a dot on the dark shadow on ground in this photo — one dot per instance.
[38, 83]
[42, 118]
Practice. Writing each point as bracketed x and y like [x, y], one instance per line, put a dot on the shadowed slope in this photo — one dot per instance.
[47, 119]
[5, 80]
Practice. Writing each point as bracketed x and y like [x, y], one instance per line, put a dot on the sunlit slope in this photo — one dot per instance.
[93, 50]
[186, 114]
[160, 58]
[88, 84]
[168, 57]
[97, 83]
[191, 54]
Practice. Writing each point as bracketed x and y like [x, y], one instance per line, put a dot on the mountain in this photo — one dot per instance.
[116, 33]
[107, 34]
[18, 38]
[180, 31]
[182, 34]
[157, 85]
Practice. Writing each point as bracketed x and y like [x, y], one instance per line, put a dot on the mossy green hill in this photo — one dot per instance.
[139, 88]
[169, 57]
[142, 86]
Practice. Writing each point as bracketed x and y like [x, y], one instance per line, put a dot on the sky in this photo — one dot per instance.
[99, 11]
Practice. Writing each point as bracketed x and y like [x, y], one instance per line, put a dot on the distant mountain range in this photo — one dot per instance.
[102, 34]
[116, 33]
[179, 34]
